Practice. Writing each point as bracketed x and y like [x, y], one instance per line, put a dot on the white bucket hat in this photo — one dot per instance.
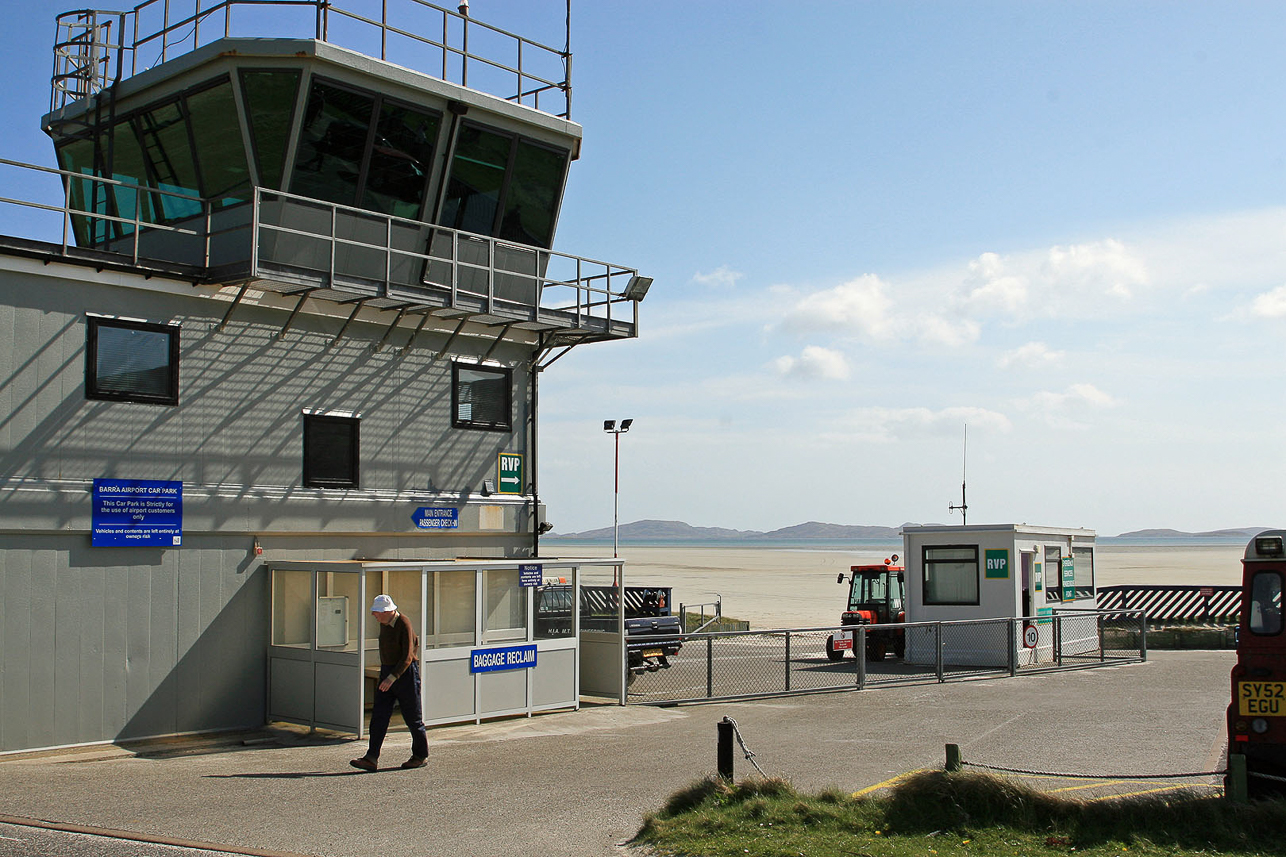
[382, 604]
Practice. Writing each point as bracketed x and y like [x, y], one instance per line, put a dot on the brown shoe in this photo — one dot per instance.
[415, 762]
[364, 764]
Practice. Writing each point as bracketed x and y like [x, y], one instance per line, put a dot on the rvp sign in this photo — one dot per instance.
[997, 564]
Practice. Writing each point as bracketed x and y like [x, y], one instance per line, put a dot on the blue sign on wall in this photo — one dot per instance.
[137, 513]
[531, 574]
[510, 658]
[436, 518]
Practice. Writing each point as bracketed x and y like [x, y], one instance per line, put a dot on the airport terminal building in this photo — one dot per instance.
[273, 348]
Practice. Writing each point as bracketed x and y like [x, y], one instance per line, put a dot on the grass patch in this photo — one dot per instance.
[937, 813]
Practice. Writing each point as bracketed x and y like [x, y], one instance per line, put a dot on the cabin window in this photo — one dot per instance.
[269, 96]
[132, 361]
[1053, 573]
[480, 397]
[1083, 565]
[331, 451]
[1266, 603]
[950, 574]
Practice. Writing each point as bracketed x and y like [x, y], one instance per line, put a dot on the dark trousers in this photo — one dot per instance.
[406, 693]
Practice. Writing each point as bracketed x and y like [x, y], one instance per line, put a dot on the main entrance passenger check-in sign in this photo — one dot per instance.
[137, 513]
[436, 518]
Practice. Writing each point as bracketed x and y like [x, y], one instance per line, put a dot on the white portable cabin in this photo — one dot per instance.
[998, 572]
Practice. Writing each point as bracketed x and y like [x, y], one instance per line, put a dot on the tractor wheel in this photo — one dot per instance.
[833, 653]
[875, 650]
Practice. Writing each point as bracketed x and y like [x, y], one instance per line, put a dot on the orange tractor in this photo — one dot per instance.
[875, 597]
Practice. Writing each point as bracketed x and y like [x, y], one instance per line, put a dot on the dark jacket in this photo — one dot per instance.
[399, 647]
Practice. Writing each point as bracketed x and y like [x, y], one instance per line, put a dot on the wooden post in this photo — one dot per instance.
[725, 748]
[953, 757]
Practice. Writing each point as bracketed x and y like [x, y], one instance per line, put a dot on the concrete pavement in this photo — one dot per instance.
[579, 783]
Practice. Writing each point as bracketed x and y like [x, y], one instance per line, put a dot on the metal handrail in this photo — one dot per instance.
[83, 58]
[587, 294]
[137, 221]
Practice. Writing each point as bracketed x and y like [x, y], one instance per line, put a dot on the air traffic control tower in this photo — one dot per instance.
[292, 307]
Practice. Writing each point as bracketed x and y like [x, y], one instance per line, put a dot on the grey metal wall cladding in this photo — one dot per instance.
[241, 394]
[110, 643]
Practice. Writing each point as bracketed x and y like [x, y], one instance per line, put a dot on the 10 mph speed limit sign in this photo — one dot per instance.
[1031, 636]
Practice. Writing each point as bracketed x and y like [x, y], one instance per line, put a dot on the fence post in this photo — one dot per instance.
[787, 661]
[937, 637]
[709, 667]
[1014, 647]
[1143, 636]
[724, 728]
[953, 757]
[1102, 641]
[859, 655]
[1237, 789]
[1058, 638]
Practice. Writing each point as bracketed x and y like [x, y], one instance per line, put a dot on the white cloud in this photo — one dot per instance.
[1270, 304]
[1067, 409]
[721, 277]
[936, 330]
[859, 306]
[814, 362]
[894, 424]
[1033, 355]
[1079, 280]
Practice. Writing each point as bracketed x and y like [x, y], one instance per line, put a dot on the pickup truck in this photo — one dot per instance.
[652, 634]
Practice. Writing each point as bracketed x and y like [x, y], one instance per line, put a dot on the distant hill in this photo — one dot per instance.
[1241, 532]
[678, 531]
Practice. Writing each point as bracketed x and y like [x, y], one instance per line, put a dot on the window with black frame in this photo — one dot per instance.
[1266, 603]
[1053, 573]
[481, 397]
[1083, 571]
[950, 574]
[331, 451]
[132, 361]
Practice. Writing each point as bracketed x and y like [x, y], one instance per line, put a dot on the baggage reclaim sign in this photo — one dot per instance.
[505, 658]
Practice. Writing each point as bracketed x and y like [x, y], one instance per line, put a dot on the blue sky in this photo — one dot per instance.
[870, 223]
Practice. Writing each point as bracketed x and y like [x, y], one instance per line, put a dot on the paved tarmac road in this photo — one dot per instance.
[579, 783]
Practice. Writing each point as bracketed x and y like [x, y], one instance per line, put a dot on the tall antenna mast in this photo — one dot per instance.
[964, 474]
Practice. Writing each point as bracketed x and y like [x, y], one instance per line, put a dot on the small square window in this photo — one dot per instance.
[132, 361]
[330, 451]
[481, 397]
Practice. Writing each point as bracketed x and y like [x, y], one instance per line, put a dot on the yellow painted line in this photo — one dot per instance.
[1144, 792]
[888, 783]
[1093, 785]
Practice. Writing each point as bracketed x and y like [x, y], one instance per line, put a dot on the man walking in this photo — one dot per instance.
[399, 683]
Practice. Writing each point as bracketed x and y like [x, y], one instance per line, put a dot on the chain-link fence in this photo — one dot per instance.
[738, 664]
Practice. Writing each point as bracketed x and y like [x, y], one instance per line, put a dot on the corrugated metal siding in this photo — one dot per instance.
[113, 643]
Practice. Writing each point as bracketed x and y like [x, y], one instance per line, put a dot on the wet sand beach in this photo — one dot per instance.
[795, 587]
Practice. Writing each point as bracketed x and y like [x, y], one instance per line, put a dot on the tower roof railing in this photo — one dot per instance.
[94, 49]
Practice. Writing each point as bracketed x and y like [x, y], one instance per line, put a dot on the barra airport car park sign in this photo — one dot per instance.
[503, 658]
[137, 513]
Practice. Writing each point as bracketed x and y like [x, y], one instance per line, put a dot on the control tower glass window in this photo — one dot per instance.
[477, 180]
[504, 186]
[401, 157]
[343, 159]
[109, 199]
[331, 144]
[269, 96]
[533, 195]
[220, 151]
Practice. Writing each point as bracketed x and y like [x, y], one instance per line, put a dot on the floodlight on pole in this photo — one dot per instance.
[611, 428]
